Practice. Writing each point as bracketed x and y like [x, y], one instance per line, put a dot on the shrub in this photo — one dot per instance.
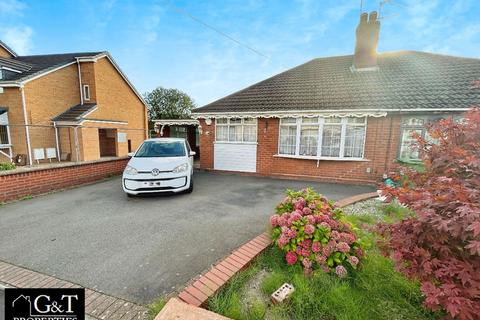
[313, 232]
[440, 245]
[7, 166]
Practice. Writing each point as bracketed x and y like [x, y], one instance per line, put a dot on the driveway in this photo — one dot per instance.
[141, 248]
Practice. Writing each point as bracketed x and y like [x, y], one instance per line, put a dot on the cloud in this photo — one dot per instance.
[18, 38]
[151, 23]
[337, 13]
[11, 7]
[12, 31]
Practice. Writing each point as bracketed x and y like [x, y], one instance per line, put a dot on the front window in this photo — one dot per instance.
[309, 137]
[162, 149]
[288, 136]
[4, 136]
[322, 137]
[332, 137]
[86, 92]
[236, 130]
[408, 145]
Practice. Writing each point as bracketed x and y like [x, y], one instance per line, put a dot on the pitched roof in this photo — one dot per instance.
[76, 113]
[405, 80]
[38, 64]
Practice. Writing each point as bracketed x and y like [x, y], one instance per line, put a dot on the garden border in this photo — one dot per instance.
[199, 290]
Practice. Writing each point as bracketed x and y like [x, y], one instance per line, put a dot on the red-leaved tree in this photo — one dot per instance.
[440, 246]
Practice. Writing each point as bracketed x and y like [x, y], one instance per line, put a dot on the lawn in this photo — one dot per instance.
[373, 291]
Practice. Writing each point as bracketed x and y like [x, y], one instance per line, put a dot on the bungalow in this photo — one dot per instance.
[345, 118]
[72, 106]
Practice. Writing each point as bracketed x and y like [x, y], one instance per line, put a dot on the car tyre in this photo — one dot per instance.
[129, 195]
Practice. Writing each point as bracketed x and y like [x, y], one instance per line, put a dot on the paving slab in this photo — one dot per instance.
[176, 309]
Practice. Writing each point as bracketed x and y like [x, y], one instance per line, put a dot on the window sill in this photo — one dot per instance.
[234, 142]
[320, 158]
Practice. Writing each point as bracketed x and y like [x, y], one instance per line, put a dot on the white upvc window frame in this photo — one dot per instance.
[242, 125]
[321, 123]
[86, 92]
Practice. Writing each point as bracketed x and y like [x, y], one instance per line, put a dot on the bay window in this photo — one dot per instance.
[330, 138]
[236, 130]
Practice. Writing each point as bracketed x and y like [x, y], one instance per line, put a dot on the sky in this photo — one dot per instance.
[156, 43]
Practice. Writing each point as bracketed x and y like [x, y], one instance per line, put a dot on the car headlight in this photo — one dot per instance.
[130, 170]
[180, 168]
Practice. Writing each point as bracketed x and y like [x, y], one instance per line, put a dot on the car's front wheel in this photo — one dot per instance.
[129, 195]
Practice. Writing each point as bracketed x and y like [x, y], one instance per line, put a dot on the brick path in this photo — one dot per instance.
[97, 305]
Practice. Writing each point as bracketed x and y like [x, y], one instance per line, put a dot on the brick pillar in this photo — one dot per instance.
[207, 138]
[267, 137]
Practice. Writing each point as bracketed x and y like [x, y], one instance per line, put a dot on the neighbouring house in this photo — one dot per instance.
[345, 118]
[72, 106]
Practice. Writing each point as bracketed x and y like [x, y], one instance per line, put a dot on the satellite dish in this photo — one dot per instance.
[208, 121]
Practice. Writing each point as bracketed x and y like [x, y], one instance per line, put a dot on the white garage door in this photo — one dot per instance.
[235, 157]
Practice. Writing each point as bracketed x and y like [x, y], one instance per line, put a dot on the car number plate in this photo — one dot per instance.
[152, 184]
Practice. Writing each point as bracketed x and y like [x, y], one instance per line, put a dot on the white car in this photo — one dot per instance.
[159, 165]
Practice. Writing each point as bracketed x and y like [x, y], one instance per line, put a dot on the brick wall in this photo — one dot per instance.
[4, 53]
[381, 146]
[12, 99]
[87, 71]
[14, 186]
[50, 95]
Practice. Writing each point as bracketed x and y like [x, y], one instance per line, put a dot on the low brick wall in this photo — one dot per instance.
[34, 181]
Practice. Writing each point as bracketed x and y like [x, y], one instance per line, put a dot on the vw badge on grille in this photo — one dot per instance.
[155, 172]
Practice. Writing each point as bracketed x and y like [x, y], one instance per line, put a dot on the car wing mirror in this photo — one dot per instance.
[192, 153]
[131, 154]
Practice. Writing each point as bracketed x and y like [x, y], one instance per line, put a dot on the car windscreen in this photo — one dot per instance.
[161, 149]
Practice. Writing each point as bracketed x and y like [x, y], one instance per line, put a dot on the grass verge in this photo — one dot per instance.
[374, 291]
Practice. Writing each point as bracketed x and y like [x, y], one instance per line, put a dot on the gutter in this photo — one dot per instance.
[25, 118]
[285, 113]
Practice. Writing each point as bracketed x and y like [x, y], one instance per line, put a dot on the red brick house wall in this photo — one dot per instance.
[381, 145]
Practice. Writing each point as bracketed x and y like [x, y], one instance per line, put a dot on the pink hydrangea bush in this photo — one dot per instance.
[314, 233]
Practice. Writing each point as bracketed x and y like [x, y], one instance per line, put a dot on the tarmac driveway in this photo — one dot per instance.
[141, 248]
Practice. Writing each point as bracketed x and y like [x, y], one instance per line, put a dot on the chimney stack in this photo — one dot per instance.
[366, 42]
